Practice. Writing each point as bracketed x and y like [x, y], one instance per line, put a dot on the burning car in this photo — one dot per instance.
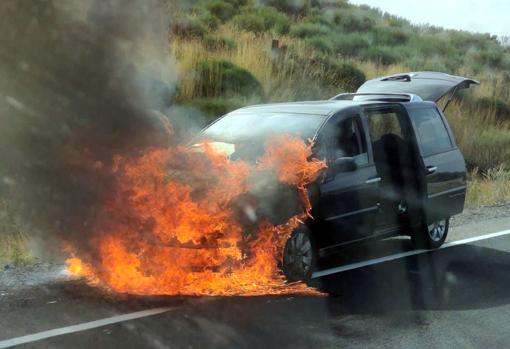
[393, 167]
[272, 188]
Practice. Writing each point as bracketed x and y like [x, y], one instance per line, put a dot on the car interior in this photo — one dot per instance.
[395, 160]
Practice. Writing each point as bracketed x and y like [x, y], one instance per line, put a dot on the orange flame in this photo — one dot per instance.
[170, 228]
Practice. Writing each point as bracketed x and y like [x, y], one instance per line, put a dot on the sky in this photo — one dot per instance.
[486, 16]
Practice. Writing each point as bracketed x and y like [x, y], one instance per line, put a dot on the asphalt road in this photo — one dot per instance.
[453, 297]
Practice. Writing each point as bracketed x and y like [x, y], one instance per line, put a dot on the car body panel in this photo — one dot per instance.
[446, 184]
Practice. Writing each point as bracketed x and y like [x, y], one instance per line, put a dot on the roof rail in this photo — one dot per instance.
[382, 97]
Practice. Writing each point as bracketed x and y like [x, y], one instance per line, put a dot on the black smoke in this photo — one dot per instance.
[80, 81]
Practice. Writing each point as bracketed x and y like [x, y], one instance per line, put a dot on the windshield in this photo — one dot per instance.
[244, 135]
[236, 128]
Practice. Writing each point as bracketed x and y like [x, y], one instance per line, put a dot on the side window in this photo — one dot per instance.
[431, 131]
[384, 122]
[350, 141]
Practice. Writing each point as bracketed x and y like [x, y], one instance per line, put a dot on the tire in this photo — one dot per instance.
[299, 256]
[431, 236]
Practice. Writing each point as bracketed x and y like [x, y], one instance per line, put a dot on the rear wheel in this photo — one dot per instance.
[431, 236]
[299, 256]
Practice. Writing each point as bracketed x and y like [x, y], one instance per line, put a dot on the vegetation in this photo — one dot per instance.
[227, 58]
[13, 241]
[325, 47]
[490, 188]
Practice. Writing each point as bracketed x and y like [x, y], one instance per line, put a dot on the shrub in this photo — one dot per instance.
[221, 9]
[306, 29]
[382, 55]
[350, 44]
[499, 107]
[390, 36]
[465, 41]
[320, 18]
[428, 45]
[321, 44]
[348, 76]
[340, 75]
[188, 26]
[223, 78]
[397, 22]
[492, 58]
[219, 43]
[289, 6]
[353, 20]
[260, 19]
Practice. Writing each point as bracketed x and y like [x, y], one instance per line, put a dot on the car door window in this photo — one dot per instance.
[384, 122]
[431, 130]
[350, 141]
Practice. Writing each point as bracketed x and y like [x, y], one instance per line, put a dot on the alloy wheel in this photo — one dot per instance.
[437, 230]
[298, 258]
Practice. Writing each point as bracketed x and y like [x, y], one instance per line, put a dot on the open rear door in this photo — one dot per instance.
[430, 86]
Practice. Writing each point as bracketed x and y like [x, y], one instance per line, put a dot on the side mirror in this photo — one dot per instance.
[344, 165]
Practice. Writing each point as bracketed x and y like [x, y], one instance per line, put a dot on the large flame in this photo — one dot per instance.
[170, 226]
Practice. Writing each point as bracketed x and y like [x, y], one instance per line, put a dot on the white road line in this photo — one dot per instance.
[82, 327]
[404, 254]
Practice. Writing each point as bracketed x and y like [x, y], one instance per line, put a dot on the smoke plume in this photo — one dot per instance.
[81, 82]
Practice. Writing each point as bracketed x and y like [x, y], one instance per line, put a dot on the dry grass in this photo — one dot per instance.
[252, 53]
[13, 241]
[490, 188]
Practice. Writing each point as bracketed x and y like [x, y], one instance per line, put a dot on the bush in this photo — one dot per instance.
[465, 40]
[499, 107]
[382, 55]
[492, 58]
[289, 6]
[390, 36]
[261, 19]
[321, 44]
[350, 44]
[397, 22]
[348, 76]
[214, 43]
[223, 78]
[307, 30]
[221, 9]
[189, 26]
[428, 45]
[340, 75]
[353, 20]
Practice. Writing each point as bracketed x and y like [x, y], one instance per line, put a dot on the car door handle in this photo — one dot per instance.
[373, 180]
[431, 170]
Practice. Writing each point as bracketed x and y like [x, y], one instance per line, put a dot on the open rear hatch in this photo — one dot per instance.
[429, 86]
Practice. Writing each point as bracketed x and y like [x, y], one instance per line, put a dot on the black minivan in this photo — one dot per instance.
[393, 165]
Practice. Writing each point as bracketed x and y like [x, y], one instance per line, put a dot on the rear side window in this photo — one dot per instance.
[431, 130]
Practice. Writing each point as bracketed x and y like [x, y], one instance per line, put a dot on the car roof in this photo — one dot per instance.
[323, 108]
